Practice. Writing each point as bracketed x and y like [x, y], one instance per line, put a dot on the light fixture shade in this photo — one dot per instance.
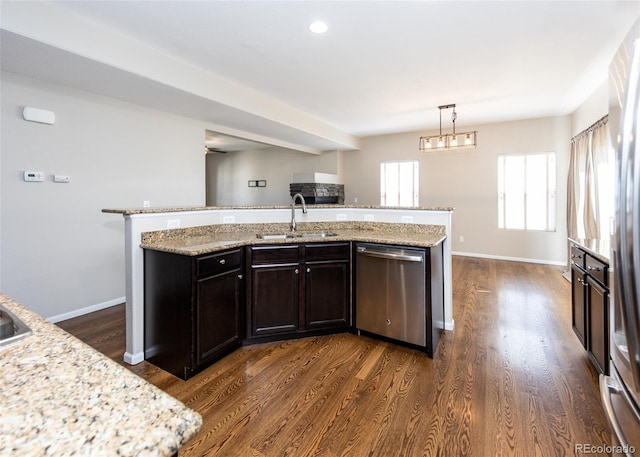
[448, 141]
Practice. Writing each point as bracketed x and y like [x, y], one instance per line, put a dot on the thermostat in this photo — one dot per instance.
[33, 176]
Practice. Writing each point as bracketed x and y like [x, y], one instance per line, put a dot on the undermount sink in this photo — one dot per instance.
[12, 328]
[283, 236]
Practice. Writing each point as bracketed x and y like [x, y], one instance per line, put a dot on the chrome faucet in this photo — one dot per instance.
[293, 209]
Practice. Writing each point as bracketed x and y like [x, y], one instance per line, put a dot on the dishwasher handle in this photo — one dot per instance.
[390, 255]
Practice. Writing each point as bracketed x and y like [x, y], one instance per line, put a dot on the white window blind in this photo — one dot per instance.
[399, 183]
[527, 191]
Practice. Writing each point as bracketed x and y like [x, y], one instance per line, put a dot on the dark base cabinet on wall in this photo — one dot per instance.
[192, 309]
[590, 305]
[578, 296]
[296, 290]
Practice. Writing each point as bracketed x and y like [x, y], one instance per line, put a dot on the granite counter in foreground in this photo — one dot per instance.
[62, 397]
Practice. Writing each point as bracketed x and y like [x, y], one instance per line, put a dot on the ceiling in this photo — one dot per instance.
[382, 67]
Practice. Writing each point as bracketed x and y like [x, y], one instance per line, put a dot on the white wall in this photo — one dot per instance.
[61, 256]
[467, 180]
[591, 110]
[59, 253]
[227, 174]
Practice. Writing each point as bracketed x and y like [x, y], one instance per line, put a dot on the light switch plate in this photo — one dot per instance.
[61, 178]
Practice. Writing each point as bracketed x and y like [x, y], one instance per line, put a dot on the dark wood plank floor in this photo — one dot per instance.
[511, 380]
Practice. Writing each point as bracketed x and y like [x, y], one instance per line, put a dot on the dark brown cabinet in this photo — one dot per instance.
[579, 303]
[598, 333]
[590, 305]
[273, 289]
[327, 286]
[192, 309]
[294, 290]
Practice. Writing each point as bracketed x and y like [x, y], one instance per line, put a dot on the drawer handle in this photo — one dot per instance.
[222, 261]
[594, 269]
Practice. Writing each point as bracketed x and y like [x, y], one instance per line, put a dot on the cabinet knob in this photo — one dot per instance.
[222, 261]
[297, 271]
[239, 276]
[308, 270]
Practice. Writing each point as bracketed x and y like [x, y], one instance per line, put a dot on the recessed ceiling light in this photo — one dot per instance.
[318, 27]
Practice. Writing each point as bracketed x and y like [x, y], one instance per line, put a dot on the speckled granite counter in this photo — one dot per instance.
[129, 211]
[600, 249]
[60, 397]
[205, 239]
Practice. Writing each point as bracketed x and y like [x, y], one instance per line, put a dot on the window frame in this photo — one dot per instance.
[551, 191]
[415, 183]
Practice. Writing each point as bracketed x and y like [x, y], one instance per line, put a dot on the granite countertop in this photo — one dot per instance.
[600, 249]
[130, 211]
[62, 397]
[206, 239]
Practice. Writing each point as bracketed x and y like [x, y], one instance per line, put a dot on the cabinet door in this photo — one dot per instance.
[598, 334]
[578, 303]
[217, 315]
[326, 294]
[274, 299]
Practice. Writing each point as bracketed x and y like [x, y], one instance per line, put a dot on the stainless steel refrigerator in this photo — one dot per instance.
[620, 391]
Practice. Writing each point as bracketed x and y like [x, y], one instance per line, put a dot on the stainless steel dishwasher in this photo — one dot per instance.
[391, 299]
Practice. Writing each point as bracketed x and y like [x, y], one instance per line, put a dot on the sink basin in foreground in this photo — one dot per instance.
[282, 236]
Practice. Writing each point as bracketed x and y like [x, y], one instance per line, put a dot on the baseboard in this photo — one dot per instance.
[87, 310]
[511, 259]
[133, 359]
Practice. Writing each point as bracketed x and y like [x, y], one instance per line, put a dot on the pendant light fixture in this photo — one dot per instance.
[453, 140]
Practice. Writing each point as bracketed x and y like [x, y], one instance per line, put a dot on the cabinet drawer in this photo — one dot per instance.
[578, 256]
[289, 253]
[326, 251]
[597, 269]
[218, 263]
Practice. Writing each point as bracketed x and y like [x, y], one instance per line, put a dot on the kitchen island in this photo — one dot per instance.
[62, 397]
[296, 283]
[138, 221]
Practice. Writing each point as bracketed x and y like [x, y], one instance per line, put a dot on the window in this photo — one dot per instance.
[527, 191]
[399, 183]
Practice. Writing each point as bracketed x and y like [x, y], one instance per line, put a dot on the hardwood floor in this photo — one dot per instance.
[510, 380]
